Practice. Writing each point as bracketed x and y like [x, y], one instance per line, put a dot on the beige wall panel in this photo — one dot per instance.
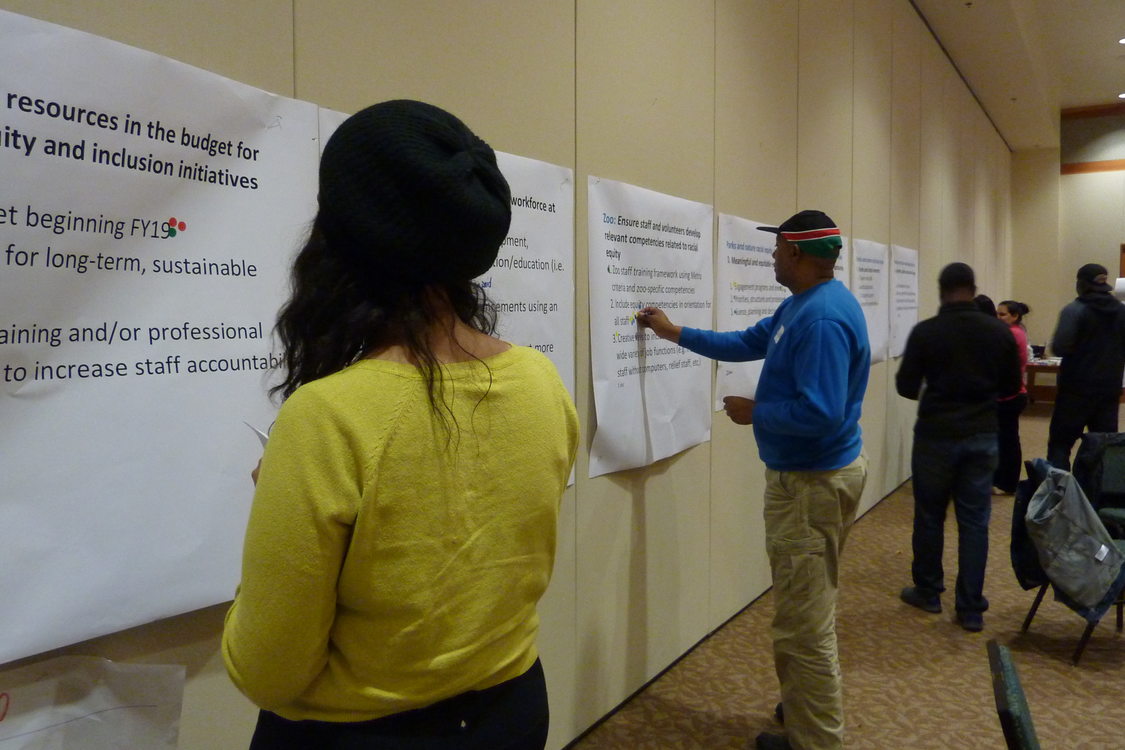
[937, 155]
[988, 205]
[1038, 279]
[910, 35]
[824, 110]
[645, 81]
[756, 109]
[998, 198]
[756, 151]
[875, 436]
[941, 146]
[989, 276]
[507, 72]
[873, 45]
[250, 41]
[959, 217]
[1092, 230]
[871, 119]
[1003, 196]
[906, 125]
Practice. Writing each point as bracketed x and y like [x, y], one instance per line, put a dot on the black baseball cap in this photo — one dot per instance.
[813, 232]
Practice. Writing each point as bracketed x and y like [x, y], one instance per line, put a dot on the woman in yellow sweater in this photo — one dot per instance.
[403, 524]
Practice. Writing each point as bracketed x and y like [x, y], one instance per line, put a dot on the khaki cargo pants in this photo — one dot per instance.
[807, 517]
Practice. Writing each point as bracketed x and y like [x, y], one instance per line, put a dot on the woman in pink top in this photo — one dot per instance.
[1008, 410]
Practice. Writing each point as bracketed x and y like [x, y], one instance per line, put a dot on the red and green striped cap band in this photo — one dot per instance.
[825, 243]
[813, 232]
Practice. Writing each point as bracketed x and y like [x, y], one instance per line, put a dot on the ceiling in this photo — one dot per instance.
[1027, 59]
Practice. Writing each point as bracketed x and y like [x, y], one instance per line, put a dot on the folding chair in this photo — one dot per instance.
[1119, 602]
[1011, 704]
[1099, 467]
[1092, 614]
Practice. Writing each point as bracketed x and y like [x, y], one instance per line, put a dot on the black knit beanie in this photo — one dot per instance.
[411, 194]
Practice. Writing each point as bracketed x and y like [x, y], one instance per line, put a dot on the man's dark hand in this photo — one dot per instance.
[655, 319]
[739, 409]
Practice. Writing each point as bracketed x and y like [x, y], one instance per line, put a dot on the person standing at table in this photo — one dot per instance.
[1009, 461]
[1090, 338]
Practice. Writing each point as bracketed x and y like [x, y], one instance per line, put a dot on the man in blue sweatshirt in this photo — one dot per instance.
[806, 423]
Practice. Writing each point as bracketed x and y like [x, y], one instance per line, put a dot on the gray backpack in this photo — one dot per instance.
[1076, 551]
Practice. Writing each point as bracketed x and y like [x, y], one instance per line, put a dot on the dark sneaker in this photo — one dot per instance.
[767, 741]
[911, 596]
[971, 621]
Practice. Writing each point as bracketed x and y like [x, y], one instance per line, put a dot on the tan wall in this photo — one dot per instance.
[1041, 283]
[758, 108]
[1091, 229]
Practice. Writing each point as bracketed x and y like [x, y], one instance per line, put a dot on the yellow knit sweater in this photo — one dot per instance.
[390, 562]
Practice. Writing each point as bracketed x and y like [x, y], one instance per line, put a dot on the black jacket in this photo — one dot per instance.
[957, 364]
[1090, 338]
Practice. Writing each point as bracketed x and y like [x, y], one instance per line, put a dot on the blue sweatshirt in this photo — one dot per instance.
[810, 394]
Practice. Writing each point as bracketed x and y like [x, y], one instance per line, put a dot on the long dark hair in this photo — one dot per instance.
[337, 313]
[984, 304]
[1018, 309]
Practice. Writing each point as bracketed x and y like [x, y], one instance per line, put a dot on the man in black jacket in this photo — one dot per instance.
[956, 364]
[1090, 338]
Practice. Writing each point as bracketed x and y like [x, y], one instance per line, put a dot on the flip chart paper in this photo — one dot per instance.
[87, 703]
[148, 214]
[904, 298]
[532, 280]
[745, 293]
[870, 283]
[652, 397]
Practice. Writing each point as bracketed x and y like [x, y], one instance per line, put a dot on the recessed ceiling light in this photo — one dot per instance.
[1121, 96]
[1121, 41]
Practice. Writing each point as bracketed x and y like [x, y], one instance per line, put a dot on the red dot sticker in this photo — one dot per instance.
[182, 226]
[172, 221]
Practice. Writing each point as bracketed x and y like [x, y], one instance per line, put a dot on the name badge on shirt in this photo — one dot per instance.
[777, 336]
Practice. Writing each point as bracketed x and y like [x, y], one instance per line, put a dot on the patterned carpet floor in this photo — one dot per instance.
[911, 679]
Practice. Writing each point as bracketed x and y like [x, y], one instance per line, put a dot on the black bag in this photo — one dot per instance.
[1099, 467]
[1025, 558]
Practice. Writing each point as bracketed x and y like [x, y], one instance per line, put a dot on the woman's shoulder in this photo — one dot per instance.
[343, 386]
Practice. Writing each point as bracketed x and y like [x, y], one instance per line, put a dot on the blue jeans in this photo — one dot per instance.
[960, 468]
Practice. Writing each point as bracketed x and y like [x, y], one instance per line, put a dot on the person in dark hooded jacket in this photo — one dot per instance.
[1090, 338]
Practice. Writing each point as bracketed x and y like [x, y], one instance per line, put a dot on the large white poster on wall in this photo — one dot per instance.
[532, 280]
[870, 280]
[148, 212]
[745, 293]
[652, 397]
[328, 120]
[904, 296]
